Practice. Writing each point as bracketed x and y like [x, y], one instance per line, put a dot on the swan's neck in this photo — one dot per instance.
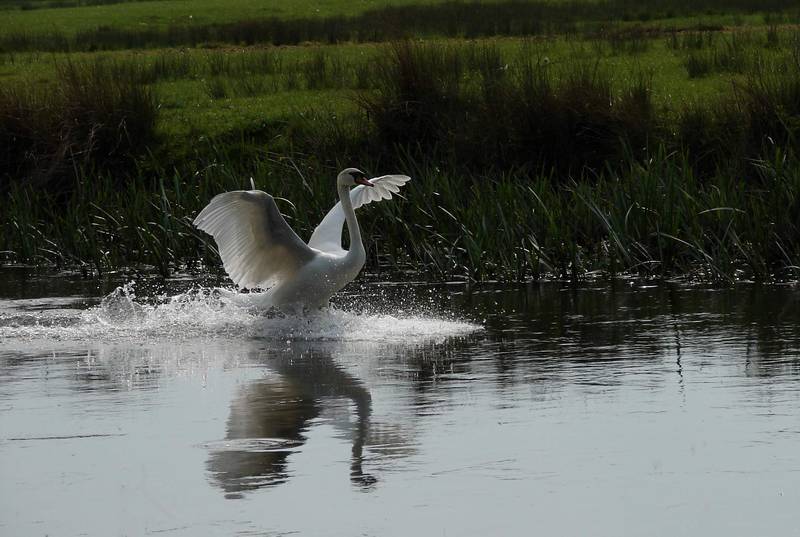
[356, 246]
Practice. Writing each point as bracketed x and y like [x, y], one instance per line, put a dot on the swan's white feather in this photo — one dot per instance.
[257, 246]
[327, 236]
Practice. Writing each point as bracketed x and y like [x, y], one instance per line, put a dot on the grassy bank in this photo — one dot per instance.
[559, 106]
[520, 172]
[654, 218]
[638, 149]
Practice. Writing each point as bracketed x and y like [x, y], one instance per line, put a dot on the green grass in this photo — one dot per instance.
[258, 92]
[163, 13]
[633, 147]
[200, 116]
[250, 95]
[118, 26]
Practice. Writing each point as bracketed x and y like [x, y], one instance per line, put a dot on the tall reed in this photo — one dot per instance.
[654, 218]
[90, 118]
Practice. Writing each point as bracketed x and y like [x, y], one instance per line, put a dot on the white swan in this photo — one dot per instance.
[259, 249]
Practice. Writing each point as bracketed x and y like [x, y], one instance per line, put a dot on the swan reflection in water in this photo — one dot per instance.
[269, 419]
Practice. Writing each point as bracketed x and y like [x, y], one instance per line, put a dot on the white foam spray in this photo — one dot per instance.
[214, 313]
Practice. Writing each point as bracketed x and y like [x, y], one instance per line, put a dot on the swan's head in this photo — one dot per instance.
[352, 177]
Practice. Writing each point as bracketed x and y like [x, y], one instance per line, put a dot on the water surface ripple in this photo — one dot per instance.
[625, 409]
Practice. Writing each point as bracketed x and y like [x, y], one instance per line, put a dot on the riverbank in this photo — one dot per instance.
[658, 154]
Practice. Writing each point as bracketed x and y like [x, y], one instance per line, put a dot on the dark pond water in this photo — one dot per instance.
[546, 409]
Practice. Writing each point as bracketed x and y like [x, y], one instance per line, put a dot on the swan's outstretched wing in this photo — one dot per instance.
[327, 236]
[257, 246]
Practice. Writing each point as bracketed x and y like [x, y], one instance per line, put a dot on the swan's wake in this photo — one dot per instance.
[213, 313]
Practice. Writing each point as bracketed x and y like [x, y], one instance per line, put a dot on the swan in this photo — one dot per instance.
[260, 250]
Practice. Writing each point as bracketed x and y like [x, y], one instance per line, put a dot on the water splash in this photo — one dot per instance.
[213, 313]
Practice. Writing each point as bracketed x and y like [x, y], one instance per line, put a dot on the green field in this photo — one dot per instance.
[39, 18]
[162, 13]
[547, 113]
[229, 90]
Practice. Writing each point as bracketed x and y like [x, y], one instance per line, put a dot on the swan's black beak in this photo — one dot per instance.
[363, 181]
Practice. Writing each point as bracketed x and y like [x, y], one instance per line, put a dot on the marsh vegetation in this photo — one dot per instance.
[662, 144]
